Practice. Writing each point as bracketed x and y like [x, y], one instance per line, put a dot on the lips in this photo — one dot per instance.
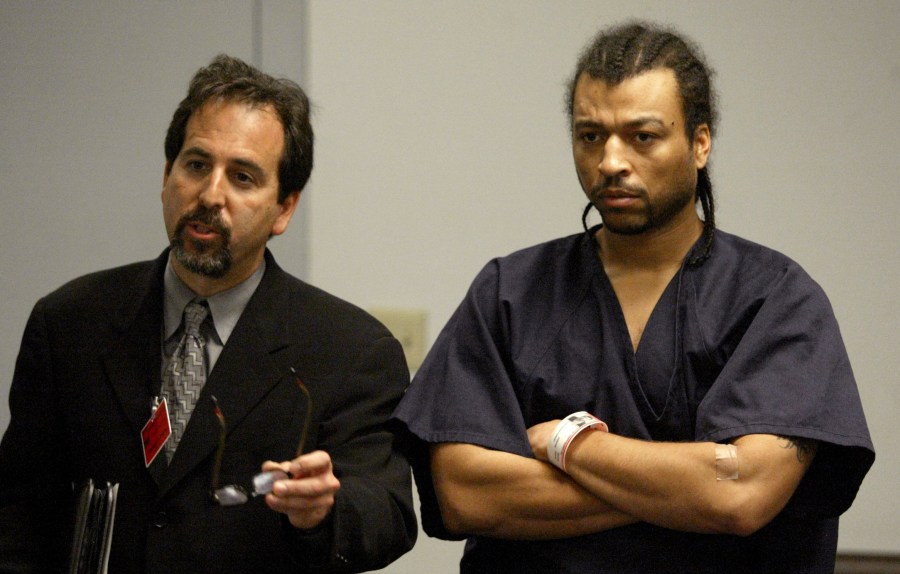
[201, 231]
[616, 198]
[618, 194]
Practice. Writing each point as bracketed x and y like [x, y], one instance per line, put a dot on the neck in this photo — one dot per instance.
[652, 250]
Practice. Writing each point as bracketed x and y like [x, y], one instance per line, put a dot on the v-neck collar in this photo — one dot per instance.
[653, 392]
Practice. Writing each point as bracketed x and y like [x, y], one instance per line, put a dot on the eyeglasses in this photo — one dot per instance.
[262, 483]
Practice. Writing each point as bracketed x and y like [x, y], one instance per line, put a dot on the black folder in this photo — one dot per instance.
[95, 513]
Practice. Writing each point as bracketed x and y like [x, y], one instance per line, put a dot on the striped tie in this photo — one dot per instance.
[185, 373]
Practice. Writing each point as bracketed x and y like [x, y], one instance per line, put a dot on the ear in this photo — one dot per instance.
[287, 208]
[702, 145]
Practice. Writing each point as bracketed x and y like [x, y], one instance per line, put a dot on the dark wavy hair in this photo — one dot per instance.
[624, 51]
[230, 79]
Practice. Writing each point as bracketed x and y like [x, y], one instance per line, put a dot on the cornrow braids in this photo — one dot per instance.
[631, 49]
[705, 194]
[584, 215]
[628, 50]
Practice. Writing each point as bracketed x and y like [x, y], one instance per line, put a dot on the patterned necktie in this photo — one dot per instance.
[185, 374]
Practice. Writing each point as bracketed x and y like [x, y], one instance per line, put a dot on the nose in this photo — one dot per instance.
[212, 194]
[614, 160]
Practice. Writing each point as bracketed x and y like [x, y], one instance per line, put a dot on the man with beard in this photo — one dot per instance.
[290, 388]
[652, 395]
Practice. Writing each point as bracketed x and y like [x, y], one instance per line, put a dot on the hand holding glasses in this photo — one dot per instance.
[262, 483]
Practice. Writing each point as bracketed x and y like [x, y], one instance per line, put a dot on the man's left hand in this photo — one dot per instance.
[308, 495]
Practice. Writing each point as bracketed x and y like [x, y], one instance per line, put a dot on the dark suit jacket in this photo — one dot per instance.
[85, 377]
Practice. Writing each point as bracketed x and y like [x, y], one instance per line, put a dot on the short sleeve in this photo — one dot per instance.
[464, 391]
[790, 375]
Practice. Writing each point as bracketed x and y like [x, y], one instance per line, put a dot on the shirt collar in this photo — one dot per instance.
[225, 308]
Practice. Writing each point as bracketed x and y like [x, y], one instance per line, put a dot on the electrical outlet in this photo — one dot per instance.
[408, 326]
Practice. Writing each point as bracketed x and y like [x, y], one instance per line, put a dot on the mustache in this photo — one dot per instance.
[615, 182]
[206, 216]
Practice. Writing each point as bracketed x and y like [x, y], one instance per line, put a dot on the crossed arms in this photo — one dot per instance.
[612, 481]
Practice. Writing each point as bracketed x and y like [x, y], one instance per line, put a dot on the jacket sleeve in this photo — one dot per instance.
[35, 501]
[372, 522]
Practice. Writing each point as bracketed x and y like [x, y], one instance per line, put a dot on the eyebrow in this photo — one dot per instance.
[196, 151]
[644, 121]
[638, 122]
[588, 124]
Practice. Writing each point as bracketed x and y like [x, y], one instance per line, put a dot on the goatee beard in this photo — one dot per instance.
[656, 214]
[207, 258]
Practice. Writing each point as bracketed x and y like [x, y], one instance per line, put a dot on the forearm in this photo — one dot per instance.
[675, 485]
[498, 494]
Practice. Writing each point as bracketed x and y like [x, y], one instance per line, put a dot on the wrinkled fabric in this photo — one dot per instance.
[744, 343]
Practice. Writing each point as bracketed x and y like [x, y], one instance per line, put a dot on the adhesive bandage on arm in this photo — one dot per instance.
[726, 462]
[566, 431]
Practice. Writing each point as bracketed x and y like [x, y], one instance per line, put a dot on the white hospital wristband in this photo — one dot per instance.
[566, 431]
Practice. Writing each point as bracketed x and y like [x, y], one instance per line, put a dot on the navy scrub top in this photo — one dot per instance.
[744, 343]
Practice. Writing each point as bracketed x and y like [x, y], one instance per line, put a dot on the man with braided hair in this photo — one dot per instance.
[651, 395]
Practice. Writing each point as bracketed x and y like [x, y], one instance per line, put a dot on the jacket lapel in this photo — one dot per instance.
[132, 361]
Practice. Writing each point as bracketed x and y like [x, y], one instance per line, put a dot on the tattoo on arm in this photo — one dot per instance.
[806, 448]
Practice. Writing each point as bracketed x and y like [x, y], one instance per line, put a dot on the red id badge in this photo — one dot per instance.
[156, 432]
